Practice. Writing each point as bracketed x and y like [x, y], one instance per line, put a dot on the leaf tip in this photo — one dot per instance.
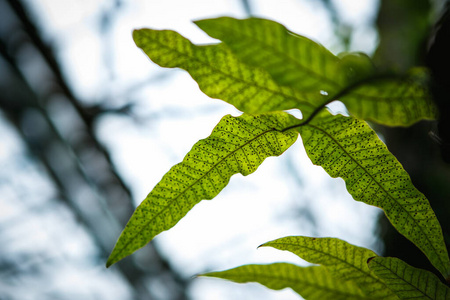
[109, 262]
[138, 35]
[197, 22]
[113, 258]
[135, 34]
[369, 259]
[263, 245]
[135, 37]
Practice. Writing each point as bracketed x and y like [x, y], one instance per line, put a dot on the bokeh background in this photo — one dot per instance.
[88, 125]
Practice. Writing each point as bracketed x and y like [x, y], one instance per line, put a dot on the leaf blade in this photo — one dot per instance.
[291, 59]
[408, 282]
[236, 145]
[349, 148]
[310, 282]
[296, 61]
[344, 261]
[392, 101]
[220, 74]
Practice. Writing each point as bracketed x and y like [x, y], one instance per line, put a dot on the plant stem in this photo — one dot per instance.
[342, 93]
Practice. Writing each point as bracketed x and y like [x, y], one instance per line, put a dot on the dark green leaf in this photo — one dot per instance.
[355, 67]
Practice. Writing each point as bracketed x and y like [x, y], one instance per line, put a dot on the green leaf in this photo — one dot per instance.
[344, 261]
[220, 74]
[296, 61]
[291, 59]
[310, 282]
[349, 148]
[356, 66]
[392, 101]
[236, 145]
[408, 282]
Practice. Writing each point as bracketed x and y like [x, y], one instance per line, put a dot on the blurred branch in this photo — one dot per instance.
[111, 198]
[247, 7]
[342, 30]
[37, 146]
[49, 57]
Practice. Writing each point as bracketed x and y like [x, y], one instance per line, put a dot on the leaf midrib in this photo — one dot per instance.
[328, 254]
[398, 276]
[276, 92]
[190, 186]
[289, 279]
[275, 50]
[381, 187]
[378, 98]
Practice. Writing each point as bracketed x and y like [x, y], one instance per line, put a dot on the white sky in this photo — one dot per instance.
[174, 114]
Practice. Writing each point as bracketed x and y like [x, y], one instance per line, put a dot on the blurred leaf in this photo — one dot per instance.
[291, 59]
[344, 261]
[310, 282]
[392, 101]
[236, 145]
[220, 75]
[349, 148]
[356, 66]
[408, 282]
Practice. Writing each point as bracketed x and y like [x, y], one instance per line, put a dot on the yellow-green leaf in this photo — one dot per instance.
[236, 145]
[220, 74]
[344, 261]
[409, 282]
[349, 148]
[296, 61]
[291, 59]
[392, 101]
[310, 282]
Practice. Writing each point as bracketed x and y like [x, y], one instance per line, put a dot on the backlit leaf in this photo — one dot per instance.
[236, 145]
[343, 260]
[296, 61]
[310, 282]
[392, 101]
[291, 59]
[408, 282]
[220, 74]
[349, 148]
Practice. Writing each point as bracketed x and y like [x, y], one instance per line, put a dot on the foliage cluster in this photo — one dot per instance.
[263, 69]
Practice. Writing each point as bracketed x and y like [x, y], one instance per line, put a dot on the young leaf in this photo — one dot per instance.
[219, 74]
[291, 59]
[391, 101]
[310, 282]
[408, 282]
[236, 145]
[344, 261]
[349, 148]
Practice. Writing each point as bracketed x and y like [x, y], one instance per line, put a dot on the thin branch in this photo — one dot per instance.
[342, 93]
